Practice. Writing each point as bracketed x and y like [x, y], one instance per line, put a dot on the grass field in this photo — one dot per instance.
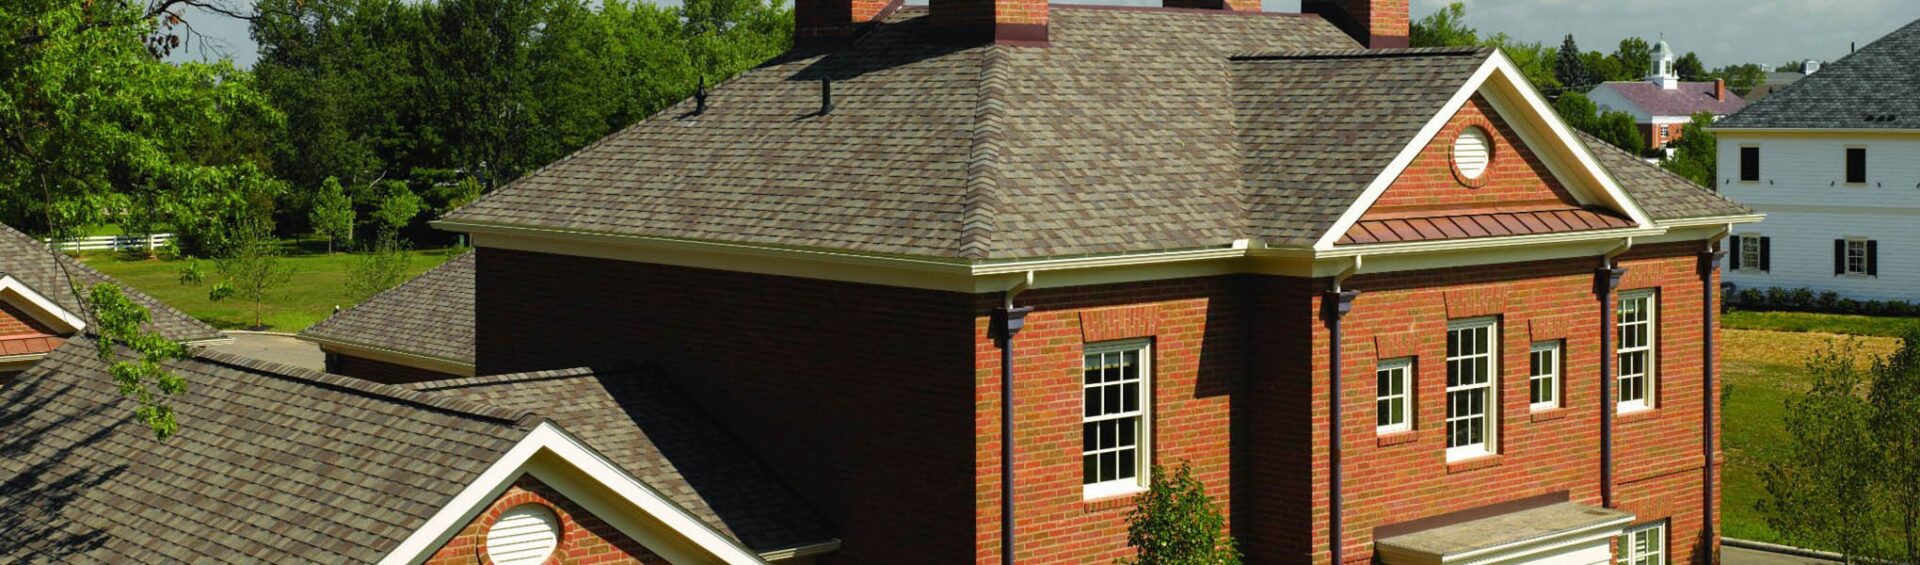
[318, 285]
[1764, 367]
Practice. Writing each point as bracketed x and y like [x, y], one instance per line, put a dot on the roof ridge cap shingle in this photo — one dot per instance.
[981, 202]
[370, 389]
[1311, 54]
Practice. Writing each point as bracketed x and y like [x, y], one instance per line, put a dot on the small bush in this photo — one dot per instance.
[1806, 300]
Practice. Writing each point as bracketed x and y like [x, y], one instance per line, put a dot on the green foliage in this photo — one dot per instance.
[1602, 67]
[1444, 28]
[394, 208]
[1696, 154]
[378, 269]
[91, 122]
[1619, 130]
[332, 215]
[1570, 67]
[1175, 523]
[1847, 478]
[1690, 68]
[1740, 78]
[1632, 60]
[191, 274]
[1578, 110]
[1534, 59]
[252, 269]
[117, 323]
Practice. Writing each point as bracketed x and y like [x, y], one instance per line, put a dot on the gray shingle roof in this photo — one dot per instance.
[272, 464]
[28, 260]
[1135, 130]
[1688, 99]
[644, 425]
[431, 315]
[1858, 91]
[1664, 195]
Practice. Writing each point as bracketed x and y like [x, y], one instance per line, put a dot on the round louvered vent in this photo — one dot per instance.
[524, 535]
[1471, 152]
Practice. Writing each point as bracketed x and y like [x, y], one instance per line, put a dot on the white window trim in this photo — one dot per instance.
[1750, 242]
[1553, 377]
[1651, 367]
[1865, 256]
[1489, 443]
[1626, 554]
[1143, 453]
[1405, 366]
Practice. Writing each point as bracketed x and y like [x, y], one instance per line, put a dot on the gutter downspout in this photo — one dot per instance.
[1337, 303]
[1006, 322]
[1605, 280]
[1709, 261]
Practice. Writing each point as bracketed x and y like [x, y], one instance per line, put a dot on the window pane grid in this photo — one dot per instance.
[1469, 385]
[1643, 546]
[1856, 257]
[1750, 252]
[1391, 396]
[1543, 375]
[1113, 414]
[1634, 334]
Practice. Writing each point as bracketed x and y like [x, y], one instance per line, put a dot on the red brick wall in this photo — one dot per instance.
[1516, 179]
[15, 321]
[382, 371]
[584, 538]
[856, 395]
[1199, 351]
[1403, 477]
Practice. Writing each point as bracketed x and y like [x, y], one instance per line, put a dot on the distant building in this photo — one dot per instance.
[1779, 79]
[1834, 162]
[1663, 104]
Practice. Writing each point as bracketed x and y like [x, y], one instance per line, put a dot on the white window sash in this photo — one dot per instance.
[1654, 536]
[1750, 253]
[1856, 257]
[1143, 426]
[1488, 403]
[1404, 368]
[1551, 349]
[1643, 350]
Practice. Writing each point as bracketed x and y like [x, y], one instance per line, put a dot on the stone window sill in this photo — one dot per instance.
[1547, 414]
[1636, 416]
[1476, 463]
[1395, 438]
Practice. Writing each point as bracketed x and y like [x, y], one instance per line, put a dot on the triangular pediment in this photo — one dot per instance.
[25, 311]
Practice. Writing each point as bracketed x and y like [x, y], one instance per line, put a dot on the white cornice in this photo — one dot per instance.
[390, 355]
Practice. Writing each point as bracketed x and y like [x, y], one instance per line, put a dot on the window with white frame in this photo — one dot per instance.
[1753, 250]
[1856, 257]
[1643, 545]
[1634, 335]
[1543, 375]
[1114, 427]
[1472, 364]
[1393, 396]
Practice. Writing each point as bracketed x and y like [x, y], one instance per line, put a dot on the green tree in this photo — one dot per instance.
[252, 269]
[1602, 67]
[1632, 60]
[1689, 68]
[332, 214]
[1571, 68]
[1444, 28]
[1895, 399]
[394, 207]
[1619, 130]
[1175, 523]
[378, 269]
[118, 322]
[1578, 110]
[1696, 154]
[1740, 78]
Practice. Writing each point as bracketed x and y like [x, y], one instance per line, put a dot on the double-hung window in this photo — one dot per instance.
[1472, 366]
[1855, 256]
[1634, 334]
[1643, 545]
[1114, 426]
[1750, 252]
[1393, 397]
[1543, 375]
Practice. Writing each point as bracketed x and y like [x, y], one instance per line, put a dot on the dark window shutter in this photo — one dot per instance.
[1873, 258]
[1839, 256]
[1766, 254]
[1733, 252]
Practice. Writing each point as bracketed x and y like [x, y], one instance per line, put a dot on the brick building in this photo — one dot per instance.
[937, 251]
[1662, 104]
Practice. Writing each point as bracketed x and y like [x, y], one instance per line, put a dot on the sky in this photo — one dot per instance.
[1722, 31]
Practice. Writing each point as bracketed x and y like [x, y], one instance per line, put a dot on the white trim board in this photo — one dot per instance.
[41, 308]
[389, 355]
[1586, 179]
[559, 460]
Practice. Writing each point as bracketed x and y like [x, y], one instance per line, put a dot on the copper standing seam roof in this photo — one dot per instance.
[1464, 226]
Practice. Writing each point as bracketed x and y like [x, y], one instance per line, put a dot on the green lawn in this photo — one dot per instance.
[1762, 368]
[318, 285]
[1822, 323]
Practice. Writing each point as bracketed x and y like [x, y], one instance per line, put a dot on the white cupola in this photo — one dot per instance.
[1661, 71]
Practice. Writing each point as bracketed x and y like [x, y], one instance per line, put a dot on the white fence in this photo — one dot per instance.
[116, 243]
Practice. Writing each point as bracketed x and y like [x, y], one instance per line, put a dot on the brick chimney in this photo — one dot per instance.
[1007, 22]
[1720, 89]
[1377, 24]
[816, 21]
[1227, 5]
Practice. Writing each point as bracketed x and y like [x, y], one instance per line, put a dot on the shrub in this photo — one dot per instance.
[1805, 300]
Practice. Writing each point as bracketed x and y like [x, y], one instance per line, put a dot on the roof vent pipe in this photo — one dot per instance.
[700, 98]
[826, 96]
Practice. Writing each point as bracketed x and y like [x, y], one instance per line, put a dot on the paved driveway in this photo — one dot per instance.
[1738, 556]
[283, 349]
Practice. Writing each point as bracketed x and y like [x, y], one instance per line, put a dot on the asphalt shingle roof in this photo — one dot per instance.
[1688, 99]
[431, 315]
[1134, 130]
[272, 464]
[1876, 87]
[1662, 194]
[29, 261]
[643, 424]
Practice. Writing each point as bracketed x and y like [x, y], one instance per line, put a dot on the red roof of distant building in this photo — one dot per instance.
[1689, 98]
